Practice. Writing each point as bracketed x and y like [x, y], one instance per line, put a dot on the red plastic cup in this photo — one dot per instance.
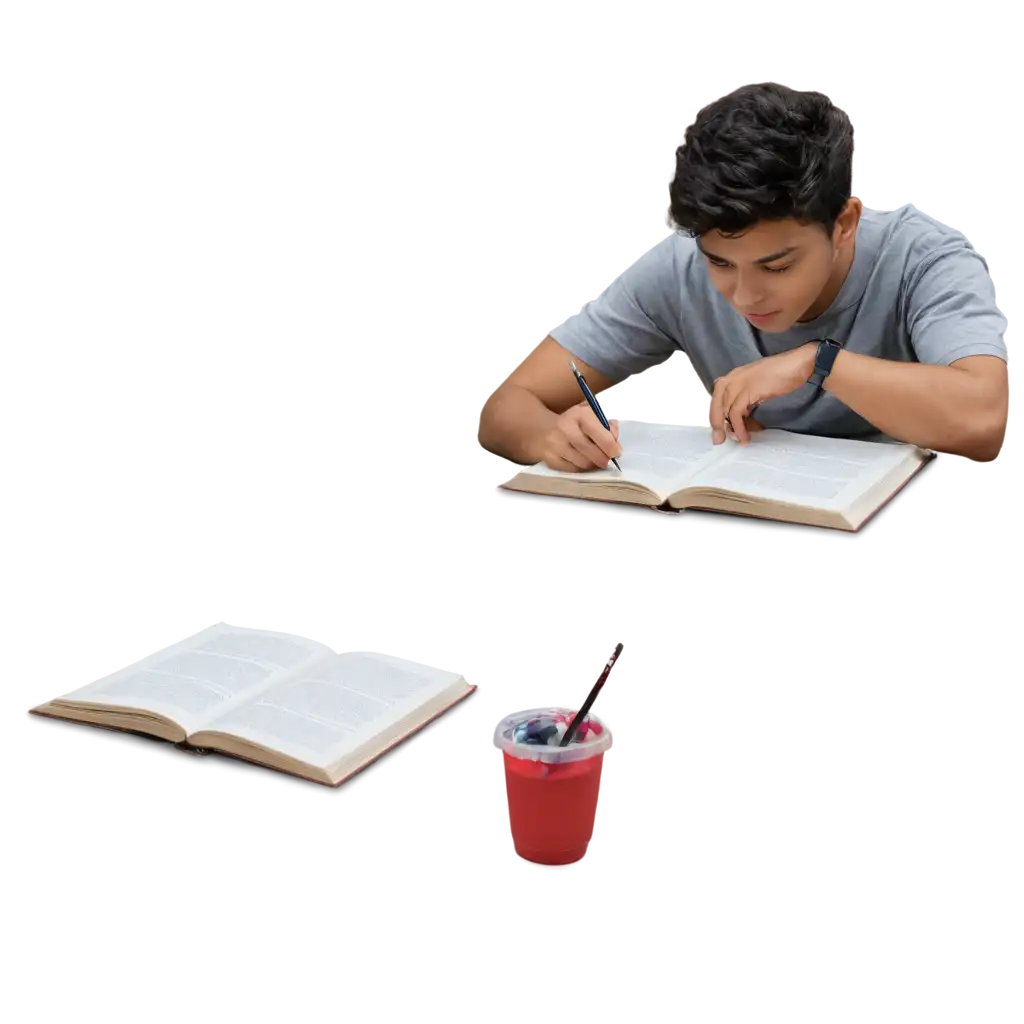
[552, 791]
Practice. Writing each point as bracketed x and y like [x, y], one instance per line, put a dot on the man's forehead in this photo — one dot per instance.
[764, 230]
[764, 242]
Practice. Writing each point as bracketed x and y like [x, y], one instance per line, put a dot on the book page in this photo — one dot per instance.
[203, 676]
[820, 472]
[660, 457]
[335, 706]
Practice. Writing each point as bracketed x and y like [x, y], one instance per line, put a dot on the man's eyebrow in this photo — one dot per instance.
[763, 259]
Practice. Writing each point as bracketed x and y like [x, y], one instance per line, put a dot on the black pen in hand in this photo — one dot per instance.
[592, 402]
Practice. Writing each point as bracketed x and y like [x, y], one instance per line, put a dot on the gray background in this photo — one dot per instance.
[255, 269]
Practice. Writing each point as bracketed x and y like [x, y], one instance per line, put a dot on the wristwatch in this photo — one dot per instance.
[823, 360]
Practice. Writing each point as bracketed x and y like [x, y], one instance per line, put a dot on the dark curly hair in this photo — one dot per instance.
[764, 152]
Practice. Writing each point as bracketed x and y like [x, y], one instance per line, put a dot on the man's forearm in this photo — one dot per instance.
[513, 424]
[940, 407]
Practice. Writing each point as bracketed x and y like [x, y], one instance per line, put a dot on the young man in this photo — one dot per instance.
[775, 275]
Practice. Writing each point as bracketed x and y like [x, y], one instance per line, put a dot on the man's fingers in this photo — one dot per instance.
[586, 448]
[575, 457]
[737, 414]
[739, 428]
[590, 427]
[614, 424]
[716, 413]
[569, 459]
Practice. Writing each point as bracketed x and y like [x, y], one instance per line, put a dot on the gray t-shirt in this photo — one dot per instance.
[916, 292]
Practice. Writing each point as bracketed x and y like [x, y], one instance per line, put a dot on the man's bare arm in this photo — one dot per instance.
[528, 420]
[960, 408]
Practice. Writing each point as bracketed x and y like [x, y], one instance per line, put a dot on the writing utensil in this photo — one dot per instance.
[591, 697]
[592, 402]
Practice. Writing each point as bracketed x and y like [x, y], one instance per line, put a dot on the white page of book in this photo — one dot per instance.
[192, 681]
[336, 705]
[662, 458]
[822, 472]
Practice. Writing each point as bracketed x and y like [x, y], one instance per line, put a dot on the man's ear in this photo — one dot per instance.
[847, 221]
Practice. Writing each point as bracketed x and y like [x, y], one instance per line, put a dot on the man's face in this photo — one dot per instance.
[774, 293]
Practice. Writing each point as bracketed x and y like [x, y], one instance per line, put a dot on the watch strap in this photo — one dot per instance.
[823, 360]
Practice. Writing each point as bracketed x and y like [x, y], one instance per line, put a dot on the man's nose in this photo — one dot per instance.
[745, 294]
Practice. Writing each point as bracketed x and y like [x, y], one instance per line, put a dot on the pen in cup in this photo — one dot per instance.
[577, 719]
[592, 402]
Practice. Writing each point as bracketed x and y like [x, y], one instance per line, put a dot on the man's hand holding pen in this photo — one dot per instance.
[578, 442]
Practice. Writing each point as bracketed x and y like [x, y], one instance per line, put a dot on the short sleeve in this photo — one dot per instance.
[951, 309]
[629, 326]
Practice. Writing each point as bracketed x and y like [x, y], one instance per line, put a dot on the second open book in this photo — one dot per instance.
[798, 478]
[280, 700]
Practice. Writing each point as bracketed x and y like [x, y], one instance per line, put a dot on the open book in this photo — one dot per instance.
[279, 700]
[797, 478]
